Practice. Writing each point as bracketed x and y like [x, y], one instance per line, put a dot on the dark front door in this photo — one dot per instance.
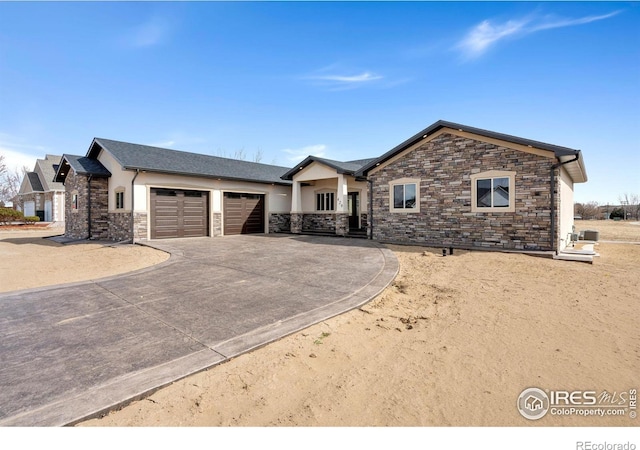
[354, 208]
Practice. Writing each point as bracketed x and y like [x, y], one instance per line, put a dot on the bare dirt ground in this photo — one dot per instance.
[452, 342]
[28, 260]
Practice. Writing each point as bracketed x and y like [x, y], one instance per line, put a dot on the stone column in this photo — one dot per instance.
[342, 207]
[296, 208]
[296, 223]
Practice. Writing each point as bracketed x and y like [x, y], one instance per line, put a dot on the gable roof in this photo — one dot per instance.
[562, 153]
[157, 159]
[46, 169]
[34, 180]
[81, 165]
[344, 167]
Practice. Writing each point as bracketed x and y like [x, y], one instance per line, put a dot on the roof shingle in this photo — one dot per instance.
[156, 159]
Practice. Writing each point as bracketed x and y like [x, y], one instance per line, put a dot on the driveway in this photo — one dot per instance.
[71, 352]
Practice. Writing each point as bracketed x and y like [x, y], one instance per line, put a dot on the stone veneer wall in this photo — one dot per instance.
[296, 222]
[319, 222]
[342, 224]
[140, 225]
[217, 224]
[120, 226]
[364, 224]
[444, 166]
[76, 221]
[279, 222]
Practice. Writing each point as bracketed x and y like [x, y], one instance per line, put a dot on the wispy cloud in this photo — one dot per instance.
[152, 32]
[487, 34]
[336, 80]
[18, 153]
[363, 77]
[299, 154]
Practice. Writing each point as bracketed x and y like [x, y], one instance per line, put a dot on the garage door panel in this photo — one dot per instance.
[243, 213]
[179, 213]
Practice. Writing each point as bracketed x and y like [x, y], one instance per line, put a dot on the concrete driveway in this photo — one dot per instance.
[71, 352]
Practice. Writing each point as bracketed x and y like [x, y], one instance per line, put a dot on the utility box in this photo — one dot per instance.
[591, 235]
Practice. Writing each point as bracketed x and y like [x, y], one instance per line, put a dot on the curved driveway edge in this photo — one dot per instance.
[77, 351]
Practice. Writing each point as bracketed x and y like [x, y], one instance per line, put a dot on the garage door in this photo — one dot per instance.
[179, 213]
[243, 213]
[29, 208]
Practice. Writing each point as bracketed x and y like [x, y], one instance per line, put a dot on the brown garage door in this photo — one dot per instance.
[243, 213]
[178, 213]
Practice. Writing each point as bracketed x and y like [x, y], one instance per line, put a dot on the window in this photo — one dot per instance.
[74, 201]
[120, 200]
[404, 195]
[493, 192]
[325, 201]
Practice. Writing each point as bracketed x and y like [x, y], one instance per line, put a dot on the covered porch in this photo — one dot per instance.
[328, 199]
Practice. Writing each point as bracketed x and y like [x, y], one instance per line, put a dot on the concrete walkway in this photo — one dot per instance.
[72, 352]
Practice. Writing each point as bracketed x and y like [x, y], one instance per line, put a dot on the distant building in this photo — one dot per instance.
[39, 195]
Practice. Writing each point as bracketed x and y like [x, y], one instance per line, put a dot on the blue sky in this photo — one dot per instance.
[339, 80]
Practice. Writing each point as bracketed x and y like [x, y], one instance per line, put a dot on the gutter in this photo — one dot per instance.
[133, 236]
[89, 177]
[553, 199]
[370, 198]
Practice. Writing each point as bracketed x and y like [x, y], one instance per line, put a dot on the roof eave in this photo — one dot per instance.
[311, 159]
[215, 177]
[557, 150]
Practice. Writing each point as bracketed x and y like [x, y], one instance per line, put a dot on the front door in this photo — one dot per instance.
[354, 209]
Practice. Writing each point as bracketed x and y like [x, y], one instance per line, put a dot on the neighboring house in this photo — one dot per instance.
[39, 195]
[449, 185]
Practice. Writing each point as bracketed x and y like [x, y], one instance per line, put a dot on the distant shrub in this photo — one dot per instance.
[8, 215]
[617, 213]
[31, 219]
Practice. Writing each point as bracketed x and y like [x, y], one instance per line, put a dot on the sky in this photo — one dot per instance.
[342, 80]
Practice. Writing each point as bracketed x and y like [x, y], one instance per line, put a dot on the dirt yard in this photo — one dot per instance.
[452, 342]
[29, 260]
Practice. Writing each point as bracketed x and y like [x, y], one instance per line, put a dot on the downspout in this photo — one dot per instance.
[89, 205]
[553, 199]
[370, 208]
[133, 236]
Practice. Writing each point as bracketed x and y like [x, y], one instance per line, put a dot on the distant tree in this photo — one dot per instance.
[630, 204]
[10, 181]
[240, 154]
[588, 211]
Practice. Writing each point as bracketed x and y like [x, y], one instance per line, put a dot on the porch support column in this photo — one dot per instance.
[342, 206]
[296, 208]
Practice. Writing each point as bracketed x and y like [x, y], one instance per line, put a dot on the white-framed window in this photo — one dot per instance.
[493, 191]
[74, 201]
[325, 201]
[404, 195]
[120, 200]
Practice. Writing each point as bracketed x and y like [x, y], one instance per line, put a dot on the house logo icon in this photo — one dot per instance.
[533, 403]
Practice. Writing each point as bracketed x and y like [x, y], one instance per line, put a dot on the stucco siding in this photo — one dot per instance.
[565, 195]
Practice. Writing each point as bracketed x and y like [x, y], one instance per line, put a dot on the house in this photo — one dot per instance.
[121, 191]
[449, 185]
[39, 195]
